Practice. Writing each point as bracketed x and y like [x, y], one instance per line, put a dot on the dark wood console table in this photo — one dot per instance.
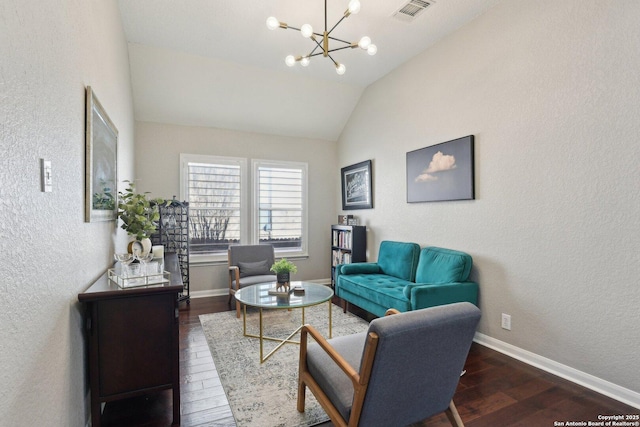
[133, 340]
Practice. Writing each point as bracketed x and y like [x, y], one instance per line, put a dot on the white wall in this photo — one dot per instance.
[551, 91]
[158, 148]
[50, 51]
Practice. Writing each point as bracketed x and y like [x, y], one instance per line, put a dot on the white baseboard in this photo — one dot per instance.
[326, 281]
[209, 293]
[624, 395]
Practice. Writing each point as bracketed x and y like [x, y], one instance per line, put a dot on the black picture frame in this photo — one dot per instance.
[442, 172]
[356, 186]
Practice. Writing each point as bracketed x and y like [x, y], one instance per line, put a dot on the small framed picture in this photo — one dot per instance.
[356, 186]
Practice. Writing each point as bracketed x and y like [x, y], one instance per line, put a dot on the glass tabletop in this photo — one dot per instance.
[258, 295]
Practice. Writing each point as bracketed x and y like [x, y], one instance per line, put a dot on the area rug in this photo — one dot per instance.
[264, 395]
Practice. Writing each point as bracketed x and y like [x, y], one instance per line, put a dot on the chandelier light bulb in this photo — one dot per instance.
[364, 42]
[272, 23]
[306, 30]
[340, 69]
[290, 60]
[372, 49]
[354, 6]
[304, 61]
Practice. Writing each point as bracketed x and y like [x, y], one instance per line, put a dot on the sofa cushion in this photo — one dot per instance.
[399, 259]
[360, 268]
[383, 290]
[439, 265]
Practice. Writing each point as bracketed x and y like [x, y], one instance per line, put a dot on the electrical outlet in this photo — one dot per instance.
[506, 321]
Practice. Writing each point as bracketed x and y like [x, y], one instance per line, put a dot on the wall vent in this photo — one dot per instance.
[412, 9]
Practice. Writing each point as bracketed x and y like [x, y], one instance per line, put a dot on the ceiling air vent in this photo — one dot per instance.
[412, 9]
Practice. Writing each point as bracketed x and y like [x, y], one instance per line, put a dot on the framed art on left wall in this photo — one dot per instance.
[101, 168]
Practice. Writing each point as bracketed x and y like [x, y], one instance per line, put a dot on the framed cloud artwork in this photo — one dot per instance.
[441, 172]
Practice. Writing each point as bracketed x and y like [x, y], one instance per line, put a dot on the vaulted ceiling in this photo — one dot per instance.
[215, 63]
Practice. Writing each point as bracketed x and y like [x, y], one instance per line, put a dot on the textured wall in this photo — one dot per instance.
[158, 148]
[50, 51]
[551, 92]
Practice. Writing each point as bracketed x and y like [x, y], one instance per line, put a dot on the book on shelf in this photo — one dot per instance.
[341, 257]
[342, 239]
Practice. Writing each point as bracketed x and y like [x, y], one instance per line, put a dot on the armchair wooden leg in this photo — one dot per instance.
[302, 388]
[453, 415]
[302, 369]
[237, 309]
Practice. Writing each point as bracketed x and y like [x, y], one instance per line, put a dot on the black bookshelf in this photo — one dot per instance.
[348, 245]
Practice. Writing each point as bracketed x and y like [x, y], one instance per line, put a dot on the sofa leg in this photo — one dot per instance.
[345, 306]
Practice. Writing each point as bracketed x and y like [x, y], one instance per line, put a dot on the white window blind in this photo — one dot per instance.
[214, 190]
[280, 194]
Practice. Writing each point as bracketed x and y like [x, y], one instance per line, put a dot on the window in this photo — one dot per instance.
[221, 202]
[280, 205]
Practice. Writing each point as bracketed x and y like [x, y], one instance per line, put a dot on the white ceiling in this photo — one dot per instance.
[214, 62]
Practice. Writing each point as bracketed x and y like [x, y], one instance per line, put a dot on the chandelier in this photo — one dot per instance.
[321, 40]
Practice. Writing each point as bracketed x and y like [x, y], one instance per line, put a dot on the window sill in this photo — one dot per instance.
[213, 260]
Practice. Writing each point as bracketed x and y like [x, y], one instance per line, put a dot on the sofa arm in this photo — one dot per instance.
[424, 295]
[360, 268]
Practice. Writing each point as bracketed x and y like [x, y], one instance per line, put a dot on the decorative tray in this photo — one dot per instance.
[131, 277]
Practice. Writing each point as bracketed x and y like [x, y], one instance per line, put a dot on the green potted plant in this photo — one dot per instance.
[283, 269]
[139, 216]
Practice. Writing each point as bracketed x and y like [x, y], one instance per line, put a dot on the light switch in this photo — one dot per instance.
[45, 175]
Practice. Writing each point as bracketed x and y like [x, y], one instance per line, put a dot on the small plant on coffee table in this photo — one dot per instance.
[283, 269]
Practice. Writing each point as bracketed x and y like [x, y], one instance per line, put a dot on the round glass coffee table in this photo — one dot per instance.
[258, 296]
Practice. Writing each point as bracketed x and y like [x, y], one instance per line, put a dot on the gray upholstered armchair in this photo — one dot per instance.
[403, 370]
[248, 265]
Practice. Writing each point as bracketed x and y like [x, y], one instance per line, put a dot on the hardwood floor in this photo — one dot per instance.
[496, 390]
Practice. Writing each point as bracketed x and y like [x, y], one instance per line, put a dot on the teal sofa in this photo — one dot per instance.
[407, 278]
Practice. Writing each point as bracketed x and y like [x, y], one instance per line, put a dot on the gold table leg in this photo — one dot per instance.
[280, 341]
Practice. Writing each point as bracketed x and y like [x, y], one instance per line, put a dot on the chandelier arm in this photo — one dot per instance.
[334, 61]
[337, 23]
[340, 48]
[318, 45]
[312, 52]
[288, 27]
[339, 40]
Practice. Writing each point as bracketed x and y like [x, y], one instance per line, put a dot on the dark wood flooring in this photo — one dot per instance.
[496, 390]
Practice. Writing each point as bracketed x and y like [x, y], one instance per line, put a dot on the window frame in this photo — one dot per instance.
[255, 205]
[185, 159]
[249, 201]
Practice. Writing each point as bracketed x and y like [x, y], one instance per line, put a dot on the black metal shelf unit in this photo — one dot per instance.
[173, 234]
[348, 245]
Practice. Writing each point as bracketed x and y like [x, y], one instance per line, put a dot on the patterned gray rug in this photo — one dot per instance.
[264, 395]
